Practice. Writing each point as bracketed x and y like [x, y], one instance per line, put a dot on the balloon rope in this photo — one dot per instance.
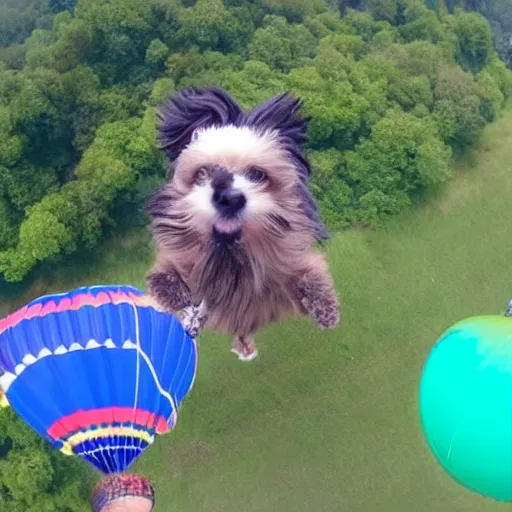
[136, 444]
[194, 318]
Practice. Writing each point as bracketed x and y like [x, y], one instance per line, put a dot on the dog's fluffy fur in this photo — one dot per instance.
[256, 264]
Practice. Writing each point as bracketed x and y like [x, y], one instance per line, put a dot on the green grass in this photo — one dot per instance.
[328, 421]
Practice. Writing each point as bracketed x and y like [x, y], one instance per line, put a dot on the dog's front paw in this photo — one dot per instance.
[324, 310]
[319, 300]
[169, 289]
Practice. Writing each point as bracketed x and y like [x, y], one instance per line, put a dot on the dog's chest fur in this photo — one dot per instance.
[240, 297]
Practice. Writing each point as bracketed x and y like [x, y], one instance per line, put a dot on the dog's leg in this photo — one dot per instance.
[244, 347]
[316, 294]
[169, 289]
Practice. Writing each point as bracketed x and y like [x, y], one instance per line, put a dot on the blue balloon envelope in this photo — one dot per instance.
[98, 372]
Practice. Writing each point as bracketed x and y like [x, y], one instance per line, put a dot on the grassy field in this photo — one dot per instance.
[328, 421]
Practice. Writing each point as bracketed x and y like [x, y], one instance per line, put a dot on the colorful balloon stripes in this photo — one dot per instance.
[98, 371]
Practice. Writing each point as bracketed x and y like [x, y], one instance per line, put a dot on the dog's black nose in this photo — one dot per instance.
[228, 201]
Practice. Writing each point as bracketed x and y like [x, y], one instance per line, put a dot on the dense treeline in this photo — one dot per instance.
[392, 92]
[498, 12]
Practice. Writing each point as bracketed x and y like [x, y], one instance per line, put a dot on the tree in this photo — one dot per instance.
[84, 88]
[280, 45]
[334, 22]
[253, 83]
[164, 15]
[38, 51]
[13, 56]
[25, 184]
[457, 107]
[374, 91]
[403, 156]
[210, 26]
[121, 33]
[15, 24]
[388, 10]
[474, 41]
[413, 91]
[72, 45]
[417, 58]
[195, 68]
[36, 477]
[157, 53]
[8, 227]
[40, 113]
[295, 11]
[336, 111]
[61, 5]
[421, 23]
[162, 89]
[501, 75]
[346, 44]
[491, 98]
[335, 197]
[363, 24]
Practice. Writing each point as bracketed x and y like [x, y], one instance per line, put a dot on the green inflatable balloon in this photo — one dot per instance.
[466, 404]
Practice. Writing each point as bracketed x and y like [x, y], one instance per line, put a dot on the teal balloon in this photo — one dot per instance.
[466, 404]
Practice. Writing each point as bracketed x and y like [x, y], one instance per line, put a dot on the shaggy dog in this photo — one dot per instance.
[235, 224]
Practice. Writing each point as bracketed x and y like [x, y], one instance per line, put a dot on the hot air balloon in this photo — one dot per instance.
[466, 403]
[99, 372]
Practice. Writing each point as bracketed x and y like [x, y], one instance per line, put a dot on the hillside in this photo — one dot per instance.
[329, 420]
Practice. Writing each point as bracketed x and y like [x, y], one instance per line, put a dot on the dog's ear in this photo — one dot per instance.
[189, 110]
[280, 113]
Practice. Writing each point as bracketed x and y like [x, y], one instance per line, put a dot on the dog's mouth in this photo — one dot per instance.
[228, 225]
[226, 237]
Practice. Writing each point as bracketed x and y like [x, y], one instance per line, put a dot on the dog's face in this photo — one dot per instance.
[235, 180]
[236, 176]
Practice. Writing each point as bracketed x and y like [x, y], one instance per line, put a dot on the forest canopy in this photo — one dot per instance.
[395, 89]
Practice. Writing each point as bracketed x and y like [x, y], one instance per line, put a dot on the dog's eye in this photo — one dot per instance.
[201, 175]
[257, 175]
